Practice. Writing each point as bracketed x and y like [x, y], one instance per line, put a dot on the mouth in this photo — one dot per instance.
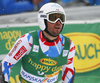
[57, 27]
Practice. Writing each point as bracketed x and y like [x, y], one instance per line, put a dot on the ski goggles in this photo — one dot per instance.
[53, 17]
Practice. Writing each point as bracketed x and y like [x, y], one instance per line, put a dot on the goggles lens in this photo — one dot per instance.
[54, 17]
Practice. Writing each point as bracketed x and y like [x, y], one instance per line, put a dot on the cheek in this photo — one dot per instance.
[50, 25]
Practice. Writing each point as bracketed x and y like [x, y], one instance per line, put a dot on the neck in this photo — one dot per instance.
[49, 37]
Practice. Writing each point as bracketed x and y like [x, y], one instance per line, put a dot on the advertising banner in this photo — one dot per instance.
[86, 37]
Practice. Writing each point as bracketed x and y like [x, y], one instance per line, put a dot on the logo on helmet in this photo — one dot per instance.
[44, 16]
[57, 9]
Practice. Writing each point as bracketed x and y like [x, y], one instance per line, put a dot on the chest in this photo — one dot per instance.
[40, 58]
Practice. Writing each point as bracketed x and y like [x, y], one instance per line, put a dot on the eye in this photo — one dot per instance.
[52, 18]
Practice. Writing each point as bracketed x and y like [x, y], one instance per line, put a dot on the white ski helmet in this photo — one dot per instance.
[49, 8]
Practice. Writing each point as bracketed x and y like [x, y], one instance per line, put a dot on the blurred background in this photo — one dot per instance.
[25, 11]
[18, 17]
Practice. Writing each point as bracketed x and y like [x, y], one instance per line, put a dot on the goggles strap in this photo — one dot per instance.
[43, 16]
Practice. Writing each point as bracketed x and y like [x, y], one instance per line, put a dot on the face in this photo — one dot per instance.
[54, 28]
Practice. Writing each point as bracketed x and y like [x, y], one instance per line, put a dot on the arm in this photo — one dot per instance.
[21, 47]
[68, 70]
[1, 74]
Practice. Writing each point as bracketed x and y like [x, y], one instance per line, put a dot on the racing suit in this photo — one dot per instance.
[41, 59]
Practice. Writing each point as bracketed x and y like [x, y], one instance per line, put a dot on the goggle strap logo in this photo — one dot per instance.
[44, 16]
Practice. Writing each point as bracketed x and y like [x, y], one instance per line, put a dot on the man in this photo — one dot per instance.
[45, 52]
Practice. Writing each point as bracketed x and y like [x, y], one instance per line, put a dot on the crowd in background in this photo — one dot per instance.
[18, 6]
[91, 2]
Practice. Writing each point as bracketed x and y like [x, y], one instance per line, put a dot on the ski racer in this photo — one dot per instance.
[45, 52]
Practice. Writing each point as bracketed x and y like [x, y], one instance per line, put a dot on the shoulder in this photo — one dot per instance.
[26, 38]
[65, 38]
[62, 36]
[68, 40]
[32, 33]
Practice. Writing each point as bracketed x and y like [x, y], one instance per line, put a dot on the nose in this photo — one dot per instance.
[58, 22]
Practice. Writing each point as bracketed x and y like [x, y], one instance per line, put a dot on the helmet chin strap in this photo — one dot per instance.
[49, 33]
[45, 21]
